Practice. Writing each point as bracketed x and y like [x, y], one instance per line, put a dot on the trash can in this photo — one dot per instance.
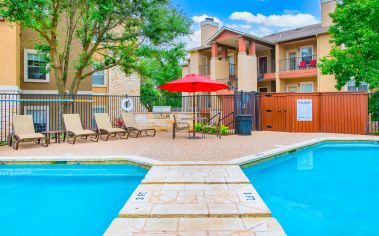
[244, 124]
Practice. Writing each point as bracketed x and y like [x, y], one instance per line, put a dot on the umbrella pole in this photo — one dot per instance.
[193, 111]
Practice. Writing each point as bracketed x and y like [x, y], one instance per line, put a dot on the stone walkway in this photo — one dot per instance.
[195, 200]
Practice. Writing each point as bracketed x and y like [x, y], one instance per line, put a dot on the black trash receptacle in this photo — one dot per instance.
[244, 124]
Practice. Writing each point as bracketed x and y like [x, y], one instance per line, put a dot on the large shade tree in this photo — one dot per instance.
[355, 35]
[110, 32]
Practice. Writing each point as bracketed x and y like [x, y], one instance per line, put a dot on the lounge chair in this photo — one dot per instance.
[23, 128]
[104, 126]
[131, 126]
[75, 129]
[177, 126]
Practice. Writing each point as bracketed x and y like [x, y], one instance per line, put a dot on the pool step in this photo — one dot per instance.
[194, 200]
[195, 226]
[205, 174]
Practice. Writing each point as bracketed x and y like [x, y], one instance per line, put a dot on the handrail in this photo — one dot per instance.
[231, 113]
[210, 119]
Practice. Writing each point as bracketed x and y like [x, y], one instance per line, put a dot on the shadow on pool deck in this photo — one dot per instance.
[163, 148]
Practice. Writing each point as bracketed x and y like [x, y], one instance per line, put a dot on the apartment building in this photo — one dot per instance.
[281, 62]
[21, 75]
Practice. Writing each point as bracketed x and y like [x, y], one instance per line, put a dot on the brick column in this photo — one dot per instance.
[214, 49]
[224, 53]
[241, 45]
[252, 48]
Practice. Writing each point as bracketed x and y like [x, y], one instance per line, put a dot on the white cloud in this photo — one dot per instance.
[261, 31]
[285, 21]
[241, 27]
[198, 19]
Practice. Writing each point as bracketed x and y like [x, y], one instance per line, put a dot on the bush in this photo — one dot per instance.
[198, 127]
[373, 106]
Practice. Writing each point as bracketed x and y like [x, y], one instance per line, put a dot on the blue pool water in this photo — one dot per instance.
[63, 199]
[327, 189]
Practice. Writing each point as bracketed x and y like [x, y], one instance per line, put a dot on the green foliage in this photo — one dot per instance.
[198, 127]
[373, 106]
[355, 34]
[158, 66]
[224, 130]
[109, 33]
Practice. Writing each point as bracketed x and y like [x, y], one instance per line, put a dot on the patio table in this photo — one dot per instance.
[57, 135]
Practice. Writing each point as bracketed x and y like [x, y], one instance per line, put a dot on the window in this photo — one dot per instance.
[306, 87]
[34, 67]
[40, 117]
[292, 65]
[351, 86]
[292, 88]
[98, 78]
[306, 53]
[96, 109]
[263, 89]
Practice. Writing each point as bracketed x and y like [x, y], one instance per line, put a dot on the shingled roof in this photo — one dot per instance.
[297, 33]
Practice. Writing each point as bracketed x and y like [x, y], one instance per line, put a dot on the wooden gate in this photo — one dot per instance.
[337, 112]
[274, 111]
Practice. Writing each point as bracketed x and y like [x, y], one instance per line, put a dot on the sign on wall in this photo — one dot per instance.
[304, 109]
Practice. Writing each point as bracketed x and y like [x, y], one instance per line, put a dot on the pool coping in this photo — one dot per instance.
[147, 162]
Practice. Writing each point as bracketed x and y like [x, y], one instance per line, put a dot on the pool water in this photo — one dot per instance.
[327, 189]
[63, 199]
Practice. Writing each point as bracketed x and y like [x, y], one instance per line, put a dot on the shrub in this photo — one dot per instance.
[198, 127]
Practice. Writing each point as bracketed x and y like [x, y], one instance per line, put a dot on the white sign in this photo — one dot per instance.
[304, 109]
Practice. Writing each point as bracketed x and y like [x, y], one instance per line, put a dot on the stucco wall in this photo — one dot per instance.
[297, 81]
[247, 72]
[326, 83]
[219, 69]
[29, 39]
[10, 55]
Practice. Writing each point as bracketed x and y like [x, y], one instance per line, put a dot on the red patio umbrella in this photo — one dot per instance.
[193, 83]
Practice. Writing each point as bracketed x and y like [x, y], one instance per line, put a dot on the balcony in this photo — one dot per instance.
[204, 70]
[296, 67]
[266, 70]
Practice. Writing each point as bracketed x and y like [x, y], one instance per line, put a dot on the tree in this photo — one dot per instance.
[355, 35]
[109, 32]
[156, 67]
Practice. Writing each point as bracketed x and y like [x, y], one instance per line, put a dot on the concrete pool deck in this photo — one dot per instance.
[163, 149]
[194, 187]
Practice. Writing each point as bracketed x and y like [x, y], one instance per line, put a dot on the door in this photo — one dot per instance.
[292, 65]
[262, 61]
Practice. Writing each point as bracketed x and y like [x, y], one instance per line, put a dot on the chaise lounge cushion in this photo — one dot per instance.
[30, 136]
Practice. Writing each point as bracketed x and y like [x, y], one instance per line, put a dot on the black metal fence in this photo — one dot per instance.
[47, 109]
[373, 109]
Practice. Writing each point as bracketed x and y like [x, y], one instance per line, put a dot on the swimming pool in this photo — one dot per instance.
[63, 199]
[327, 189]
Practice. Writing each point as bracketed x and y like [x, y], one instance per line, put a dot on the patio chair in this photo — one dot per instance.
[74, 129]
[312, 64]
[214, 125]
[178, 126]
[302, 65]
[132, 127]
[104, 126]
[23, 128]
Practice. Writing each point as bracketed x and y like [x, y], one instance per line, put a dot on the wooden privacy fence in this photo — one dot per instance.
[334, 112]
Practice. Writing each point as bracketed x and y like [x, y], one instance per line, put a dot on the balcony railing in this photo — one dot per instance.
[204, 70]
[265, 68]
[298, 63]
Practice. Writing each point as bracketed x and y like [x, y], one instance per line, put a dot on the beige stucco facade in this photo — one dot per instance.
[10, 59]
[16, 41]
[274, 65]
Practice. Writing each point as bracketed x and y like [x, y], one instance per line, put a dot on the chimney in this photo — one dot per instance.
[327, 7]
[208, 29]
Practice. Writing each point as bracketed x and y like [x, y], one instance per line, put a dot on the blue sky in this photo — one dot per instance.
[258, 17]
